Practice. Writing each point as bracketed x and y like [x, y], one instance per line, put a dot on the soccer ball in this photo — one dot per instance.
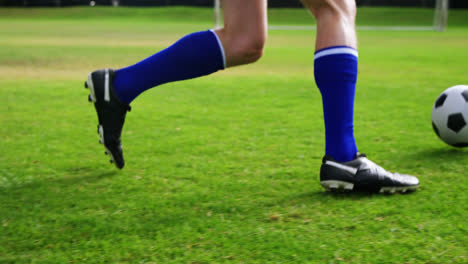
[450, 116]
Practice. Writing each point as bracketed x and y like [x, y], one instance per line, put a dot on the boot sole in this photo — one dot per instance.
[337, 186]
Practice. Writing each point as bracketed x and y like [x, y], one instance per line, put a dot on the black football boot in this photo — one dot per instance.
[361, 174]
[110, 111]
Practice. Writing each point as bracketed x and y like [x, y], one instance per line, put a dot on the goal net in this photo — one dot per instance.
[418, 15]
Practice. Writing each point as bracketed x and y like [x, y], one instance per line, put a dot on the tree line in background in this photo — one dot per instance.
[271, 3]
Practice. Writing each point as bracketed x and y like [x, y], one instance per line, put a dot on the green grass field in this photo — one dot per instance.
[222, 169]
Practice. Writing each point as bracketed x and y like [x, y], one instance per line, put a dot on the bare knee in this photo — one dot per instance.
[248, 50]
[242, 48]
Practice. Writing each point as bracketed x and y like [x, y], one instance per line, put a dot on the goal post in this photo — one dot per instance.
[217, 13]
[439, 21]
[441, 15]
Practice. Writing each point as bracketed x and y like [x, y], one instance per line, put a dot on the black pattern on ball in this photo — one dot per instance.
[460, 145]
[465, 95]
[456, 122]
[440, 101]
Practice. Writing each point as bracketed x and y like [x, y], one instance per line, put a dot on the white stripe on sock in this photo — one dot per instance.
[334, 51]
[106, 87]
[221, 48]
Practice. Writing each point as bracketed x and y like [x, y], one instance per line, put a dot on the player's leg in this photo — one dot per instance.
[201, 53]
[335, 66]
[336, 72]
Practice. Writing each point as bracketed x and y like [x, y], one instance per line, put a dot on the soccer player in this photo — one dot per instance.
[241, 41]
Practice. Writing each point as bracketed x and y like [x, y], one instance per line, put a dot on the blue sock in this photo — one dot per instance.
[194, 55]
[335, 74]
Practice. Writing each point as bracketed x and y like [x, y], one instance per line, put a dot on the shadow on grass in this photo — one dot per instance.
[355, 195]
[92, 175]
[446, 154]
[74, 176]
